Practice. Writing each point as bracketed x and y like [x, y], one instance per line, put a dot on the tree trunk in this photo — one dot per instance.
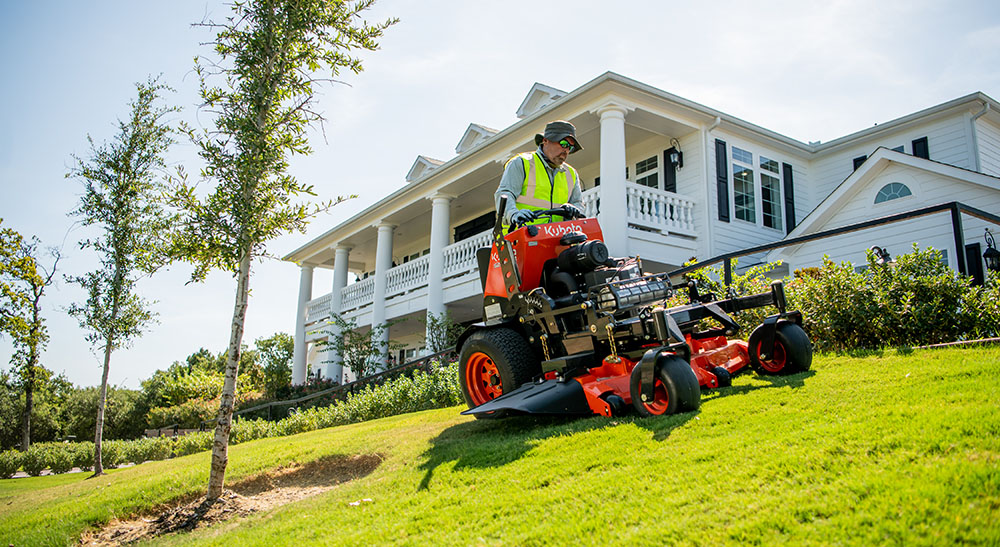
[220, 447]
[29, 388]
[101, 401]
[29, 371]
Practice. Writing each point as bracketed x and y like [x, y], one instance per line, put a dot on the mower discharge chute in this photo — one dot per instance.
[567, 329]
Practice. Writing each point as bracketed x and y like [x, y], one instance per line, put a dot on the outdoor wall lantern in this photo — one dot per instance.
[675, 154]
[882, 255]
[992, 255]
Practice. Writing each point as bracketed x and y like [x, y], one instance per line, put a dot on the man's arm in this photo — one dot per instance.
[510, 185]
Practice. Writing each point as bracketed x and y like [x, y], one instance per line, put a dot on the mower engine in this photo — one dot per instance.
[568, 329]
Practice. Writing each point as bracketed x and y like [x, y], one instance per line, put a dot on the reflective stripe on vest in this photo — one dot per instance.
[537, 192]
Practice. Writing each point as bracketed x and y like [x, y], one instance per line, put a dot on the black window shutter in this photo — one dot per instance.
[722, 179]
[858, 161]
[786, 171]
[920, 148]
[669, 173]
[974, 263]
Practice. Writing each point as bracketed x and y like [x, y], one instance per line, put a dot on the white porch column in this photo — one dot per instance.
[305, 295]
[613, 215]
[383, 261]
[334, 367]
[440, 223]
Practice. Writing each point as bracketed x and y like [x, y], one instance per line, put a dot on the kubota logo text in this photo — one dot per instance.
[551, 230]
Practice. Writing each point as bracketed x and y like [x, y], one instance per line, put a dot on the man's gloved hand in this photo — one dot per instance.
[572, 211]
[522, 216]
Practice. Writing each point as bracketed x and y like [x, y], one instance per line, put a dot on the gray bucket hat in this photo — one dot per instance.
[558, 130]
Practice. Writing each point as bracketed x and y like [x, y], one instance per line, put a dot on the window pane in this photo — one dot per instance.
[742, 155]
[743, 193]
[893, 190]
[645, 165]
[770, 198]
[653, 181]
[768, 164]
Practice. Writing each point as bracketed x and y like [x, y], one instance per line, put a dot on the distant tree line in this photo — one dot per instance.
[186, 392]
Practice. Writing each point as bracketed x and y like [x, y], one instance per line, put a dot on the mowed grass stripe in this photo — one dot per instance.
[899, 448]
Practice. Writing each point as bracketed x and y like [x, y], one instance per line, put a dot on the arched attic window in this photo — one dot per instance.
[891, 191]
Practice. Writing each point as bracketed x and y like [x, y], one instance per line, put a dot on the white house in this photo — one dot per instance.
[669, 180]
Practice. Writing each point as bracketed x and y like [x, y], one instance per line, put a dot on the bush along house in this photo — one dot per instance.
[669, 179]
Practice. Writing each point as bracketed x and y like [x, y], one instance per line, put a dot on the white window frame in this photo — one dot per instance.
[739, 165]
[655, 171]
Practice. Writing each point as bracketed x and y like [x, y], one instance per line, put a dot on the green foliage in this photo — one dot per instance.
[441, 331]
[275, 358]
[917, 300]
[710, 280]
[361, 351]
[124, 413]
[188, 414]
[23, 281]
[83, 455]
[50, 394]
[10, 462]
[36, 460]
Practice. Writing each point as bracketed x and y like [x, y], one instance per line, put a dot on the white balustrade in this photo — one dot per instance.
[592, 201]
[318, 309]
[664, 211]
[358, 294]
[461, 257]
[407, 276]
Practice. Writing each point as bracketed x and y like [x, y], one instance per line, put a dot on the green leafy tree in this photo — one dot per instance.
[275, 358]
[121, 197]
[441, 331]
[22, 285]
[270, 56]
[360, 350]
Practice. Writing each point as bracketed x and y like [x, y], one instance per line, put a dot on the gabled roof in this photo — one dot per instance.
[818, 218]
[474, 135]
[422, 166]
[538, 98]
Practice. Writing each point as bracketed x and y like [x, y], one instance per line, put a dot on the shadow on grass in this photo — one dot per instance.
[494, 443]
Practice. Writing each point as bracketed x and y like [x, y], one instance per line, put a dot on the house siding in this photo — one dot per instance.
[932, 231]
[988, 137]
[947, 139]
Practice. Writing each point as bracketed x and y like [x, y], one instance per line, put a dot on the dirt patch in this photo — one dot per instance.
[259, 493]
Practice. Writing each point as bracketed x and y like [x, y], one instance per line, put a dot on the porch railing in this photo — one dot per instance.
[407, 276]
[650, 208]
[460, 257]
[357, 294]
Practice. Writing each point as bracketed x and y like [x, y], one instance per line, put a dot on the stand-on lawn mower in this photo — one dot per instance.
[567, 329]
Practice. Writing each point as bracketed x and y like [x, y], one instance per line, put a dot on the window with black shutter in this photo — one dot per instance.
[858, 161]
[669, 172]
[920, 148]
[786, 174]
[722, 179]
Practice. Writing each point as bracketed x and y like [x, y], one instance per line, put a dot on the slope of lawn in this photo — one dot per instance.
[892, 447]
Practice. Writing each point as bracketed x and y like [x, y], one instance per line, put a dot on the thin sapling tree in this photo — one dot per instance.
[121, 196]
[271, 55]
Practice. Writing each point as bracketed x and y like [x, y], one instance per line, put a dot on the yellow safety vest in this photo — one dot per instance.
[538, 192]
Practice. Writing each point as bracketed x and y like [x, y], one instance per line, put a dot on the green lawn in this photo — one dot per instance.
[887, 448]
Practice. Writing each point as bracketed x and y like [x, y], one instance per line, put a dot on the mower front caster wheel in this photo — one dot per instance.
[675, 388]
[792, 350]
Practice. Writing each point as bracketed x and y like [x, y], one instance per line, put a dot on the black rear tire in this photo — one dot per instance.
[792, 350]
[494, 362]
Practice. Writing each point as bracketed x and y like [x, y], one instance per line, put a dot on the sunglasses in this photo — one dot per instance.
[567, 145]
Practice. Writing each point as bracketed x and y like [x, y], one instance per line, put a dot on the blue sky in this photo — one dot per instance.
[810, 70]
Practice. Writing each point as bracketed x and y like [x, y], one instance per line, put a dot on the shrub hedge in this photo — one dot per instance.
[423, 391]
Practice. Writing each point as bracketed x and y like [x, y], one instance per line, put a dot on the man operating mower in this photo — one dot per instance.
[540, 180]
